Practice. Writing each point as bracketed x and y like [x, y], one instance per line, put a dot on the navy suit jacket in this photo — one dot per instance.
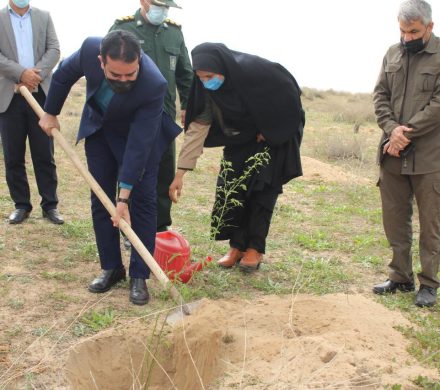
[133, 122]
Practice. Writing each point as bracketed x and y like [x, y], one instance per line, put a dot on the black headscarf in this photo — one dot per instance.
[269, 92]
[208, 62]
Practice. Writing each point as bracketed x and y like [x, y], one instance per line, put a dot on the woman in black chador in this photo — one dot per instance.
[252, 107]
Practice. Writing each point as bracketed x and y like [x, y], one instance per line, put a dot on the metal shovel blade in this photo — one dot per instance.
[179, 314]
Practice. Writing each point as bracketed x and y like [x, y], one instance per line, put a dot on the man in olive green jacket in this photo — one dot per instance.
[407, 106]
[162, 40]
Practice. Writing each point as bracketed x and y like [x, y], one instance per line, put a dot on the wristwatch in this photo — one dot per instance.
[123, 200]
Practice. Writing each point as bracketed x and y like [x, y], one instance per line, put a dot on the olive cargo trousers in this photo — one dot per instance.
[397, 193]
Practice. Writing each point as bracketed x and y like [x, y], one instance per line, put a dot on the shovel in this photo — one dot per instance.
[108, 204]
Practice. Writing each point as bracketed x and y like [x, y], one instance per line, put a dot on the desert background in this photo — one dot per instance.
[306, 320]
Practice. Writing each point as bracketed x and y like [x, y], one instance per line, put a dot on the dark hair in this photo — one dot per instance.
[120, 45]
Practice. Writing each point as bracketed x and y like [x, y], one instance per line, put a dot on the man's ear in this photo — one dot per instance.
[102, 62]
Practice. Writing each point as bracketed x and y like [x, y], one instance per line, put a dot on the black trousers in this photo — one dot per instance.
[245, 225]
[254, 225]
[20, 123]
[165, 177]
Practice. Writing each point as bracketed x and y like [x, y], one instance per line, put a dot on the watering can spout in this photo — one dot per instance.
[188, 272]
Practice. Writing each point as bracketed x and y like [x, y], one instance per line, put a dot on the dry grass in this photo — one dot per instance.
[341, 130]
[343, 107]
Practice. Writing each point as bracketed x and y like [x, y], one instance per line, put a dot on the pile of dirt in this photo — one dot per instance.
[317, 170]
[300, 342]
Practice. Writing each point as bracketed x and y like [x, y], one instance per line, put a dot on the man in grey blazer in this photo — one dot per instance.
[29, 50]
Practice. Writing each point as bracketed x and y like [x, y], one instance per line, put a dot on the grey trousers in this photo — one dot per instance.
[397, 193]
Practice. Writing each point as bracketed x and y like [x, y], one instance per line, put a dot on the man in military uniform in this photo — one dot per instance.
[162, 40]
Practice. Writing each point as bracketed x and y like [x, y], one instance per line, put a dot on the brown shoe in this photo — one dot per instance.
[231, 258]
[251, 260]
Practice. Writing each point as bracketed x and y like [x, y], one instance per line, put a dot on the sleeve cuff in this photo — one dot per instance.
[125, 186]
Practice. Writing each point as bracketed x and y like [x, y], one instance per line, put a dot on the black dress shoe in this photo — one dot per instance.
[18, 216]
[426, 296]
[53, 216]
[390, 287]
[138, 291]
[107, 280]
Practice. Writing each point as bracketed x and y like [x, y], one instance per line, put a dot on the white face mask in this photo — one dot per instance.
[156, 15]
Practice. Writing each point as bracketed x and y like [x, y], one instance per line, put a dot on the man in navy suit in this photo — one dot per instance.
[125, 136]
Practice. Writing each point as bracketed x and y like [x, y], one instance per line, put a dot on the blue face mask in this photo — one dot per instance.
[213, 84]
[156, 15]
[21, 3]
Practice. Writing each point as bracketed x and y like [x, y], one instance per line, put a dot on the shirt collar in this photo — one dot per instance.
[140, 21]
[11, 11]
[432, 45]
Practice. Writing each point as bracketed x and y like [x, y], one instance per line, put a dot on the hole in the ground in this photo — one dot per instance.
[124, 360]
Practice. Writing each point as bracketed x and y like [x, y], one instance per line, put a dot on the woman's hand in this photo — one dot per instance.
[176, 186]
[182, 117]
[260, 138]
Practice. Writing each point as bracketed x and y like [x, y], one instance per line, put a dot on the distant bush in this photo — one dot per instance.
[344, 107]
[349, 148]
[337, 144]
[311, 94]
[355, 112]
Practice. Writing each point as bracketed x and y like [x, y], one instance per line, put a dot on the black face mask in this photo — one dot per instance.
[413, 46]
[118, 86]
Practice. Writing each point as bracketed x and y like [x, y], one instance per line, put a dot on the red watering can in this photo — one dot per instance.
[172, 253]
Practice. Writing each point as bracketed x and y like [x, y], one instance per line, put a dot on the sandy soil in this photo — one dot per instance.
[317, 170]
[299, 342]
